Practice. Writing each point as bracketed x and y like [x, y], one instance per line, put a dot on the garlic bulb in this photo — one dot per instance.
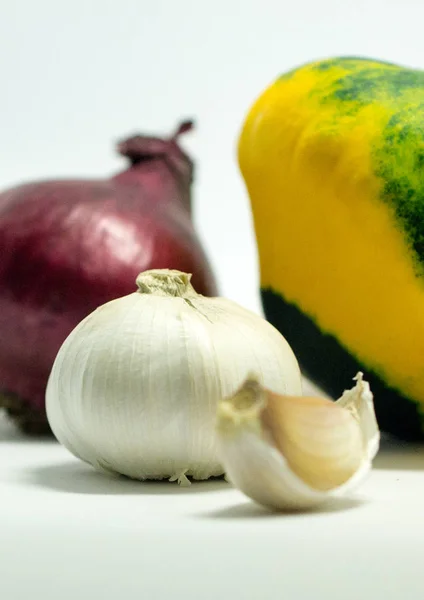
[135, 387]
[290, 452]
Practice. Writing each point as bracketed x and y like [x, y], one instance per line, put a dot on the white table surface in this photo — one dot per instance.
[68, 532]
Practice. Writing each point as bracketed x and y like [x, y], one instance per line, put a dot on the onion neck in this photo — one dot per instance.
[141, 149]
[166, 282]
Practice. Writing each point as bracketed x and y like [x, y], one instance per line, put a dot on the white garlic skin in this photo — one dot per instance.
[134, 388]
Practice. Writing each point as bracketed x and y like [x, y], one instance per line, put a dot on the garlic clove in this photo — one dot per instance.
[291, 452]
[321, 442]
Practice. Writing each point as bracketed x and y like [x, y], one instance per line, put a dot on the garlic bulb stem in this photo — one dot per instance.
[167, 283]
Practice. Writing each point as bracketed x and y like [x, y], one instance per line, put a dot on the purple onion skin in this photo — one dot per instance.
[66, 247]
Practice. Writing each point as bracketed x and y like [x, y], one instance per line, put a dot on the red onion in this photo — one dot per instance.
[67, 247]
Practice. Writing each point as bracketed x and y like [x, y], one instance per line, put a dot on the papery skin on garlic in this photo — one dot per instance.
[135, 387]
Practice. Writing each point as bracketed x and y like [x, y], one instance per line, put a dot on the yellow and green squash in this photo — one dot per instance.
[332, 154]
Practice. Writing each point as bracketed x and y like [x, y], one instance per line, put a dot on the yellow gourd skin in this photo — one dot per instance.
[333, 159]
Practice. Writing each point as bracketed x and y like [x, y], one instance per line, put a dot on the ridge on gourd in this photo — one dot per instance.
[332, 154]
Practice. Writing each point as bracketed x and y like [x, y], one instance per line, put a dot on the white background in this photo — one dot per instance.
[77, 75]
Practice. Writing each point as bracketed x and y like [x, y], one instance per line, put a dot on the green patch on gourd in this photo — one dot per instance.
[398, 152]
[399, 163]
[349, 63]
[365, 82]
[345, 62]
[377, 84]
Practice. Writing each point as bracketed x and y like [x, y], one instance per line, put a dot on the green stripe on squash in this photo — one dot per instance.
[324, 360]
